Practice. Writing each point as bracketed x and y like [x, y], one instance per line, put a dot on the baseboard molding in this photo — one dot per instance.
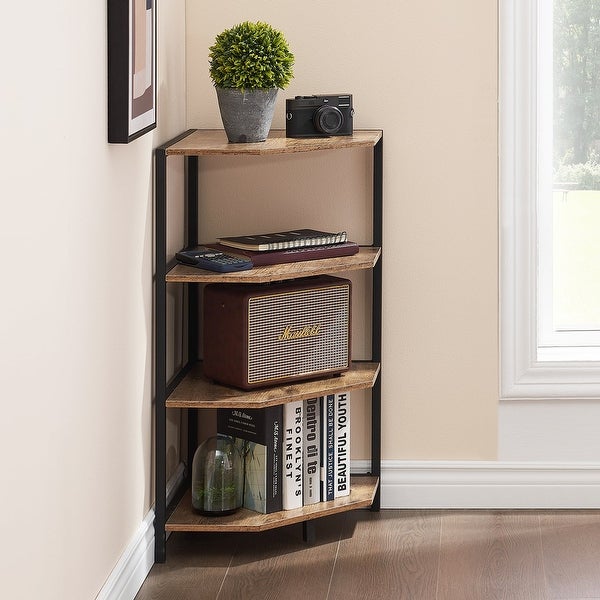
[414, 485]
[135, 563]
[488, 484]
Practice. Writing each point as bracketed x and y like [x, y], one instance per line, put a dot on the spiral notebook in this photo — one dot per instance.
[297, 238]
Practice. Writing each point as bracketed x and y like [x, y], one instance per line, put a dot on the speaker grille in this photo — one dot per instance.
[304, 332]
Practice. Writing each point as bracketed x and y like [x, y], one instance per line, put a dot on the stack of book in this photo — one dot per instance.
[295, 454]
[288, 246]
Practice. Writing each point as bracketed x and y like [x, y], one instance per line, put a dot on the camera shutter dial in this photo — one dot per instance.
[328, 119]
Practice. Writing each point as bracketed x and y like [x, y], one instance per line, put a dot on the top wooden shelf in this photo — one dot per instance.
[203, 142]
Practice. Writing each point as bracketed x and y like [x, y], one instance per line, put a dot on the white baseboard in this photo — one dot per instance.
[488, 484]
[135, 563]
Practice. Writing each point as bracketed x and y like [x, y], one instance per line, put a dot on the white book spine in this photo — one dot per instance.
[293, 446]
[327, 446]
[311, 484]
[342, 444]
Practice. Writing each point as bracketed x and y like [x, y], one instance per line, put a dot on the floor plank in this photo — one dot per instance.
[391, 554]
[278, 564]
[491, 556]
[571, 554]
[195, 569]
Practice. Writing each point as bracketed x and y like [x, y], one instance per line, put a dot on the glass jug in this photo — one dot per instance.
[217, 476]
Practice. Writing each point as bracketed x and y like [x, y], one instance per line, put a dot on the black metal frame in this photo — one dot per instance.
[164, 388]
[376, 317]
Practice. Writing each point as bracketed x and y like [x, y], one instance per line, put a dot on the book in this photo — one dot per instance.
[276, 257]
[327, 447]
[259, 435]
[292, 454]
[282, 240]
[342, 444]
[311, 455]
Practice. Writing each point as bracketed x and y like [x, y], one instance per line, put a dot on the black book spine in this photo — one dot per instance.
[274, 466]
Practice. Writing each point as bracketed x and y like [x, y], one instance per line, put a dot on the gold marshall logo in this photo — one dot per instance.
[294, 334]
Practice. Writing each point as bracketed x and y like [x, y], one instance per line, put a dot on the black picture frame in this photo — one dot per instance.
[132, 85]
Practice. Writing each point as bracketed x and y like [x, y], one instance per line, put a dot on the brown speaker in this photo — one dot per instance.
[268, 334]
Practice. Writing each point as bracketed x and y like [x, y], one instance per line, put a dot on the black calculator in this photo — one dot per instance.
[213, 260]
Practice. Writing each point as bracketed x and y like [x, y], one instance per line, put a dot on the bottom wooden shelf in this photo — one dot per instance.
[184, 518]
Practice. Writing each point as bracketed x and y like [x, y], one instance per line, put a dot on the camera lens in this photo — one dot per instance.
[328, 119]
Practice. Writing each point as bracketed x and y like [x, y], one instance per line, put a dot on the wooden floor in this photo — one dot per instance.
[393, 554]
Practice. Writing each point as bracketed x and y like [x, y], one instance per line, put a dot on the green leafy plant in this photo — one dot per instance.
[215, 496]
[251, 56]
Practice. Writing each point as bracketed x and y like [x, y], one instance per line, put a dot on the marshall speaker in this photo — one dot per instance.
[260, 335]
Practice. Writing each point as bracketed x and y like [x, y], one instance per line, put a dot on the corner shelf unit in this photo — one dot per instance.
[190, 390]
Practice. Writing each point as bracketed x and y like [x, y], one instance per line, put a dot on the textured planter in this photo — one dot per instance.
[247, 114]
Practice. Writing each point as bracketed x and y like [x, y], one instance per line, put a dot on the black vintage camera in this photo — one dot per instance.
[318, 116]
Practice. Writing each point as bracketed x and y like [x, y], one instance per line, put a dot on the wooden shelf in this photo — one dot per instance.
[195, 391]
[366, 258]
[184, 518]
[190, 389]
[205, 142]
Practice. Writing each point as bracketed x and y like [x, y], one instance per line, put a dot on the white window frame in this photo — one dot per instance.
[523, 375]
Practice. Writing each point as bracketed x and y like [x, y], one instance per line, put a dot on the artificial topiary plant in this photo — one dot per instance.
[251, 56]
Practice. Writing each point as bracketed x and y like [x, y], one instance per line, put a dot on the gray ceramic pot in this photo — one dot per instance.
[247, 114]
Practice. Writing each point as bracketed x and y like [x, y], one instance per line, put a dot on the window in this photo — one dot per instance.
[550, 198]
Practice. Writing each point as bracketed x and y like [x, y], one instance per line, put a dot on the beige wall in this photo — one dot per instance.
[425, 73]
[76, 304]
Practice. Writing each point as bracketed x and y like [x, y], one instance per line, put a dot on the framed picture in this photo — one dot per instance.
[131, 69]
